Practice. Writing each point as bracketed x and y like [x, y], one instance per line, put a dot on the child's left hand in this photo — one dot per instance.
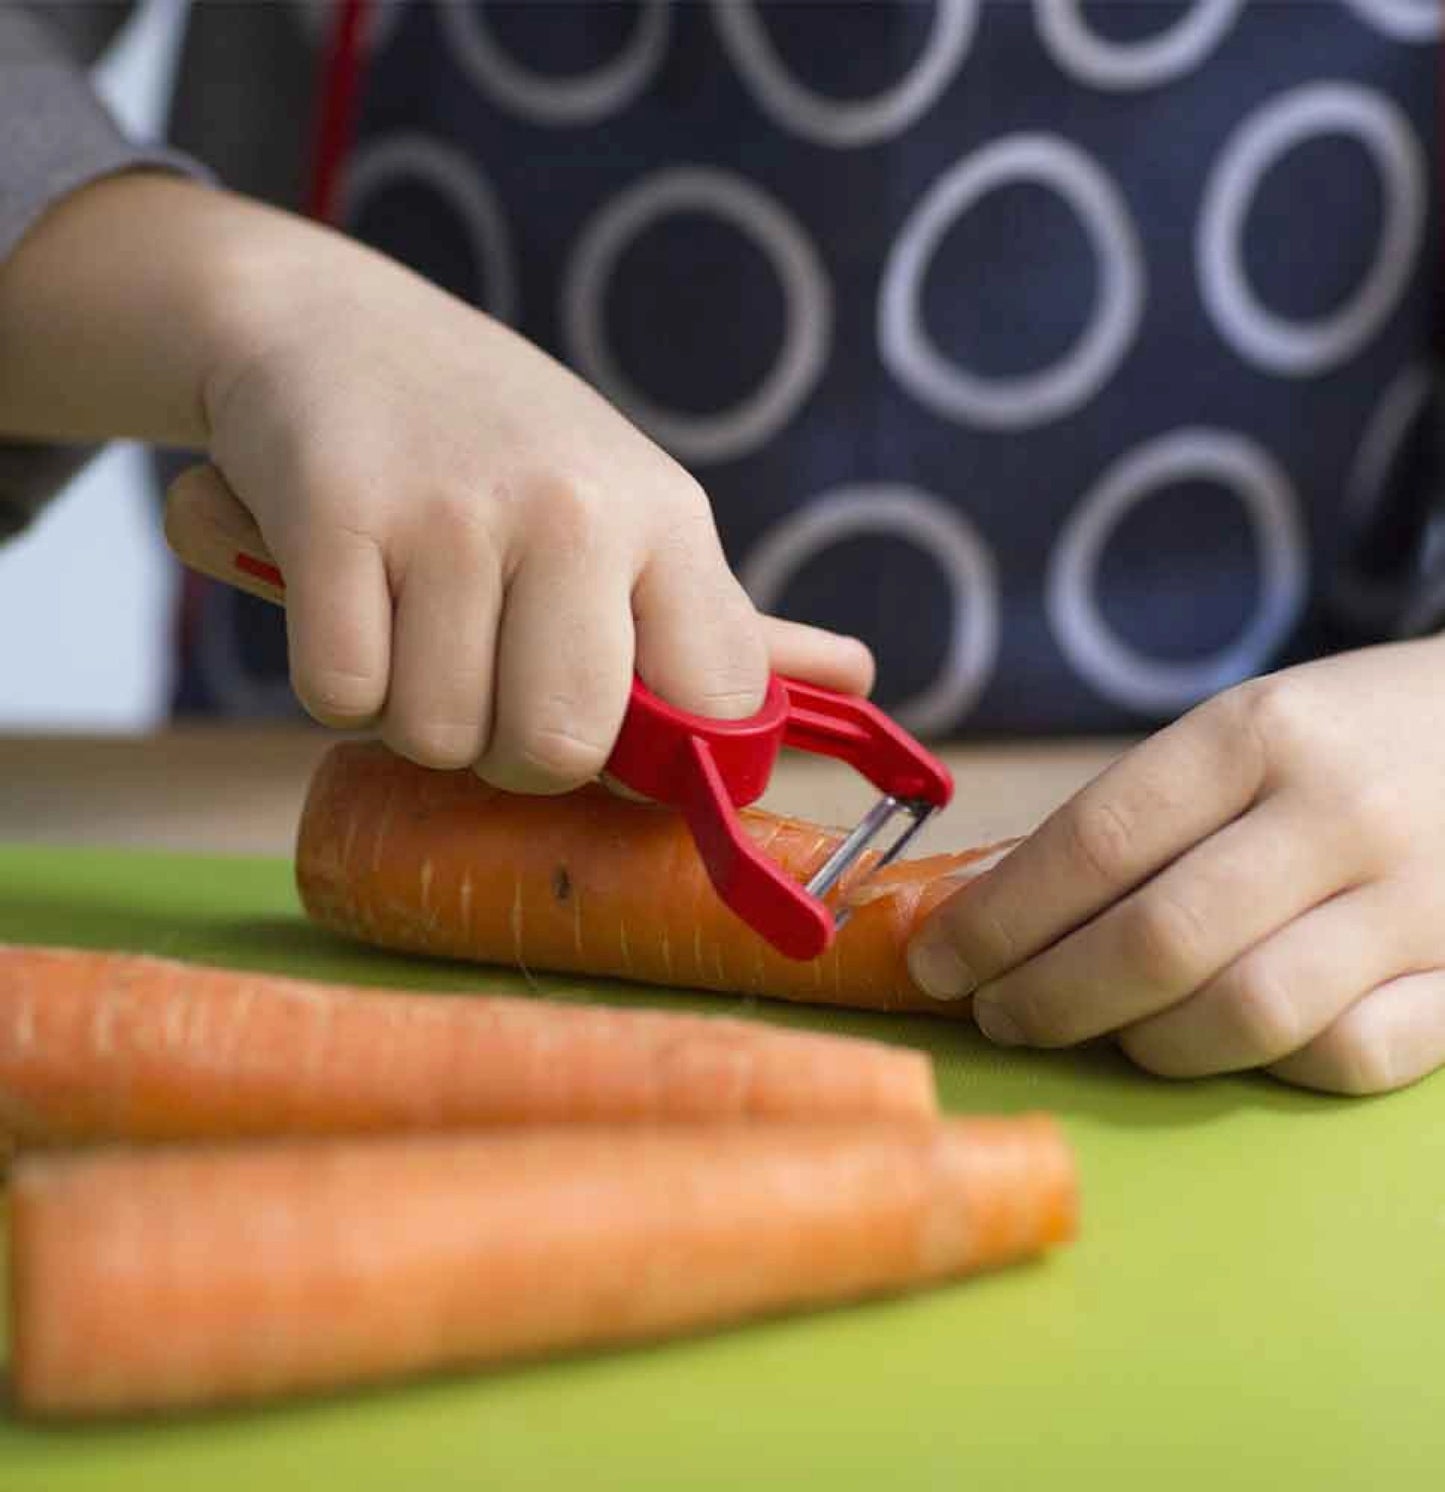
[1260, 884]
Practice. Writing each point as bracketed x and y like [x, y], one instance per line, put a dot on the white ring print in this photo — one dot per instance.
[1403, 20]
[940, 532]
[852, 122]
[1122, 66]
[1021, 401]
[585, 98]
[1279, 344]
[1367, 602]
[415, 158]
[807, 323]
[1122, 673]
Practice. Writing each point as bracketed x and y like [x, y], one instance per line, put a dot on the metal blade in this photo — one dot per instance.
[852, 848]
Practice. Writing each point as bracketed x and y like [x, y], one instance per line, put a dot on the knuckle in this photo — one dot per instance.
[454, 531]
[689, 496]
[682, 530]
[327, 481]
[1371, 810]
[682, 499]
[1265, 1015]
[568, 509]
[1163, 938]
[1098, 837]
[1279, 715]
[1300, 739]
[454, 523]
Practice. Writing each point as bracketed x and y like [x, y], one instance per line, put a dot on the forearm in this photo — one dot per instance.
[131, 296]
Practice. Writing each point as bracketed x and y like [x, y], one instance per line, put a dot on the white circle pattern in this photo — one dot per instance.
[834, 122]
[1119, 671]
[1123, 66]
[583, 99]
[942, 533]
[1018, 402]
[733, 432]
[1369, 602]
[456, 178]
[1276, 343]
[1403, 20]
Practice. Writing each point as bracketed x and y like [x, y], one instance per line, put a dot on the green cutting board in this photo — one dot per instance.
[1257, 1299]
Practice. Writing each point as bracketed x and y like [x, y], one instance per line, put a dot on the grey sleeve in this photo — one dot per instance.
[55, 136]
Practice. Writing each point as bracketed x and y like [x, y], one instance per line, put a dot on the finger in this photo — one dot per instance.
[563, 672]
[700, 643]
[1279, 995]
[338, 622]
[1172, 935]
[816, 656]
[439, 706]
[1142, 812]
[210, 530]
[1391, 1037]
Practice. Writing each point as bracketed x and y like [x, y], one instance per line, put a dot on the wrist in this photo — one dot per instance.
[288, 302]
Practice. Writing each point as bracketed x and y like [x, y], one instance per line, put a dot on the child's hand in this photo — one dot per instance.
[1261, 884]
[474, 542]
[477, 548]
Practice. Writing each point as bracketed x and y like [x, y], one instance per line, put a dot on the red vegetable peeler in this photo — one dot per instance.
[710, 768]
[707, 769]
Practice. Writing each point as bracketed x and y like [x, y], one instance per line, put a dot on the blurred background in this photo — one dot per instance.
[86, 594]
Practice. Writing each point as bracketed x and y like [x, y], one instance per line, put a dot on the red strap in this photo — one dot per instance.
[337, 108]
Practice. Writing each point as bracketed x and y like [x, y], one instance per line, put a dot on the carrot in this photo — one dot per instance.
[122, 1047]
[145, 1281]
[441, 863]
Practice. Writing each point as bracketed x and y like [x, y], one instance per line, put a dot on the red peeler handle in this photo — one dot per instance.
[652, 752]
[859, 733]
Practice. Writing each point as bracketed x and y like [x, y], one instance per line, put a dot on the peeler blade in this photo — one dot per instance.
[917, 810]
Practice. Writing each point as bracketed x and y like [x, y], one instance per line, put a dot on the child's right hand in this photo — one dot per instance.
[473, 542]
[478, 549]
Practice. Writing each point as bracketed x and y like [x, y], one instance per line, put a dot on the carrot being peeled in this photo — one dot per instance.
[441, 863]
[147, 1281]
[105, 1046]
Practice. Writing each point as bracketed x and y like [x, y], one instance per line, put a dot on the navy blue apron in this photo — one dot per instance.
[1079, 357]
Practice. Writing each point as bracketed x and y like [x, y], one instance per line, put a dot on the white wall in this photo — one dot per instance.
[86, 595]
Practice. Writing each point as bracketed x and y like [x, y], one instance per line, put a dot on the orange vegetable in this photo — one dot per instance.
[115, 1046]
[441, 863]
[149, 1280]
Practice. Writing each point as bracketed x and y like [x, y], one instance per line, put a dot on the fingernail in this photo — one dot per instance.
[996, 1023]
[939, 972]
